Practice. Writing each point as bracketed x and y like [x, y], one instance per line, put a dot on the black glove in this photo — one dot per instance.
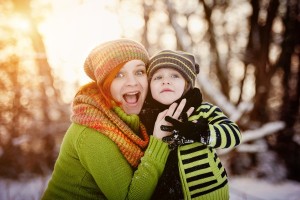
[198, 132]
[176, 140]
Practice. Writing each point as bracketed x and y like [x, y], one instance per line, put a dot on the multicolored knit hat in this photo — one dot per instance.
[105, 57]
[182, 61]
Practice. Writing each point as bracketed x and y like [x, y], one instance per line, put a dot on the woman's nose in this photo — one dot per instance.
[131, 80]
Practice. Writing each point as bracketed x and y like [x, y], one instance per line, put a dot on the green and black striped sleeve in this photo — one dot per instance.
[223, 133]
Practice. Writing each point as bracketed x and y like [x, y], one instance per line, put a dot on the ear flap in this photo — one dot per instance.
[197, 68]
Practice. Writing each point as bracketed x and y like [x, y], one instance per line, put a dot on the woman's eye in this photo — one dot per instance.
[120, 75]
[175, 76]
[140, 72]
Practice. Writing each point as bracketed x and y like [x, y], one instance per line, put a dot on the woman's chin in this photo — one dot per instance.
[132, 109]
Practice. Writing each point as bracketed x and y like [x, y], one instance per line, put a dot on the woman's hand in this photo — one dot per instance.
[173, 112]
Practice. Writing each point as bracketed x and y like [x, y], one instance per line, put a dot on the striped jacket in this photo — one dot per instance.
[201, 172]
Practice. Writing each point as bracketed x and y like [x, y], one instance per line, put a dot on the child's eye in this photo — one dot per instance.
[157, 77]
[175, 76]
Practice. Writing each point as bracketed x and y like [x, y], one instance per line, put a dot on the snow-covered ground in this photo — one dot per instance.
[256, 189]
[26, 189]
[242, 188]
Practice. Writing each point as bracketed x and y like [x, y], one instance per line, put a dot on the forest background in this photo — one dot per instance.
[248, 52]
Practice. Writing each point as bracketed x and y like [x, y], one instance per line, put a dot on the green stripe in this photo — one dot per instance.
[210, 190]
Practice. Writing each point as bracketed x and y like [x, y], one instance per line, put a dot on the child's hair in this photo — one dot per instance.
[181, 61]
[104, 88]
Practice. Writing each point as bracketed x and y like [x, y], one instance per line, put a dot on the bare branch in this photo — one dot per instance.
[252, 135]
[181, 34]
[215, 94]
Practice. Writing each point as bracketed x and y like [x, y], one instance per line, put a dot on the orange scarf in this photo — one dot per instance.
[89, 110]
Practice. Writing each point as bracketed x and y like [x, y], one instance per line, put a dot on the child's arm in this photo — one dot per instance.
[210, 126]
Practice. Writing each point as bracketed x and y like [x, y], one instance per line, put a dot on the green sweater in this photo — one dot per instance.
[90, 166]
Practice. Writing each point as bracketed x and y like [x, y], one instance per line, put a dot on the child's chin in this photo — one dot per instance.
[167, 102]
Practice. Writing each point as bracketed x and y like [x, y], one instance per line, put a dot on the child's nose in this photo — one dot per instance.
[166, 80]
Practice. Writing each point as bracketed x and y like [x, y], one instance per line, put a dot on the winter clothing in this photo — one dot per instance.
[196, 168]
[96, 160]
[201, 171]
[179, 60]
[89, 110]
[107, 56]
[81, 172]
[196, 131]
[106, 153]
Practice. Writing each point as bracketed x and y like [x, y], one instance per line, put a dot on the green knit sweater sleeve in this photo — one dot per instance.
[223, 133]
[113, 175]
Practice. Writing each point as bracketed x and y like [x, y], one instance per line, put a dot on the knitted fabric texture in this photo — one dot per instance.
[104, 57]
[181, 61]
[89, 110]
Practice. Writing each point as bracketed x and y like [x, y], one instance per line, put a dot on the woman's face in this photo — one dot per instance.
[167, 85]
[130, 86]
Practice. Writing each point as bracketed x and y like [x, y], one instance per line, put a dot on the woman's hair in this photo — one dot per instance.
[104, 88]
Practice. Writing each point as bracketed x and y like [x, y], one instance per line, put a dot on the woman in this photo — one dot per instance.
[106, 152]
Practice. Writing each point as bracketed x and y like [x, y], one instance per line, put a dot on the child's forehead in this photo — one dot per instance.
[166, 69]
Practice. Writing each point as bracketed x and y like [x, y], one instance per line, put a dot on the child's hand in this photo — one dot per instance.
[199, 131]
[173, 112]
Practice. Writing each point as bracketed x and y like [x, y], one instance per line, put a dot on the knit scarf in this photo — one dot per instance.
[89, 110]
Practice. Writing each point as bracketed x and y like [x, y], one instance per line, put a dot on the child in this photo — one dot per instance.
[193, 169]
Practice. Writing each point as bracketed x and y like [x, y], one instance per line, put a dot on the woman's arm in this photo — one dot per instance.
[110, 170]
[112, 173]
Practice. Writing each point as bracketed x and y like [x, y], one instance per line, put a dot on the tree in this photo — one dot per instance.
[248, 53]
[30, 104]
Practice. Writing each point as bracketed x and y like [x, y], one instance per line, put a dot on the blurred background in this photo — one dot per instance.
[248, 52]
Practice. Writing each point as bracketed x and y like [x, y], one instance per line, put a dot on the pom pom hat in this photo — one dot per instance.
[181, 61]
[105, 57]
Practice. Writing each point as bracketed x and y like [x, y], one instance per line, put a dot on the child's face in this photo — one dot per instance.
[167, 85]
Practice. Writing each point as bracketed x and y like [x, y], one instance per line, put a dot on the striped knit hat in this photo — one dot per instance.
[182, 61]
[105, 57]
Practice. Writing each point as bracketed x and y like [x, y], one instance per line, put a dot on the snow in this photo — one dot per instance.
[255, 189]
[22, 189]
[241, 188]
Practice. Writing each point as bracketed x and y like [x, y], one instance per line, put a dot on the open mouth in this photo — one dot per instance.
[132, 97]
